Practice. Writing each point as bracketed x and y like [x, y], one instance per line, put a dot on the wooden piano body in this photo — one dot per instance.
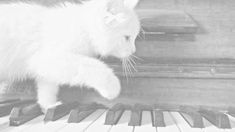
[187, 62]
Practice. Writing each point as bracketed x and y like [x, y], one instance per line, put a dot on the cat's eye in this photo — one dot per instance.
[127, 37]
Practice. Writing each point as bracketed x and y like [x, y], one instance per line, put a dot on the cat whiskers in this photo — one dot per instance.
[137, 58]
[128, 66]
[124, 68]
[132, 63]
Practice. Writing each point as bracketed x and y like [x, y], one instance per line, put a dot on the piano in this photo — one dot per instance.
[184, 81]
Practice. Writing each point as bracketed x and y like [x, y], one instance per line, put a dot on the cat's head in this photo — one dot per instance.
[120, 27]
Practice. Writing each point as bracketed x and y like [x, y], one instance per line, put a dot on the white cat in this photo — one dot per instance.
[59, 45]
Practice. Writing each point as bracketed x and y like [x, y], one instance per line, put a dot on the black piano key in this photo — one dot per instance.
[218, 119]
[192, 117]
[152, 117]
[114, 114]
[21, 115]
[82, 111]
[59, 111]
[136, 116]
[6, 108]
[159, 119]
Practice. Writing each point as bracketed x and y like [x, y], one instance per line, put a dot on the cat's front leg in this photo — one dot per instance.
[66, 68]
[47, 94]
[95, 74]
[106, 83]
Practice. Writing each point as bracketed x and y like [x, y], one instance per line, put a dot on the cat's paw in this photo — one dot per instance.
[46, 106]
[112, 87]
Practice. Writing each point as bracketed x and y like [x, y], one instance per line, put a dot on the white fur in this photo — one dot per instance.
[58, 45]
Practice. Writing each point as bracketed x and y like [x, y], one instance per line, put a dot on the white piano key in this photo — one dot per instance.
[51, 126]
[146, 123]
[4, 122]
[122, 125]
[4, 119]
[24, 126]
[182, 124]
[81, 126]
[98, 125]
[232, 123]
[210, 127]
[170, 124]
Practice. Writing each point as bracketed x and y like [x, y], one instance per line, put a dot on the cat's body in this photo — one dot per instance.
[59, 45]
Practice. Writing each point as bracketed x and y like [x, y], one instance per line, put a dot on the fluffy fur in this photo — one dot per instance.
[59, 45]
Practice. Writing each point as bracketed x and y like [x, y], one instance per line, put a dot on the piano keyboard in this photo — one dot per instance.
[25, 116]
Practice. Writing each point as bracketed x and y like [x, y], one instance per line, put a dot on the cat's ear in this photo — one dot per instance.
[114, 15]
[114, 6]
[130, 3]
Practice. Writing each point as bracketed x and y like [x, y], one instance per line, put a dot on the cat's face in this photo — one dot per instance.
[121, 27]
